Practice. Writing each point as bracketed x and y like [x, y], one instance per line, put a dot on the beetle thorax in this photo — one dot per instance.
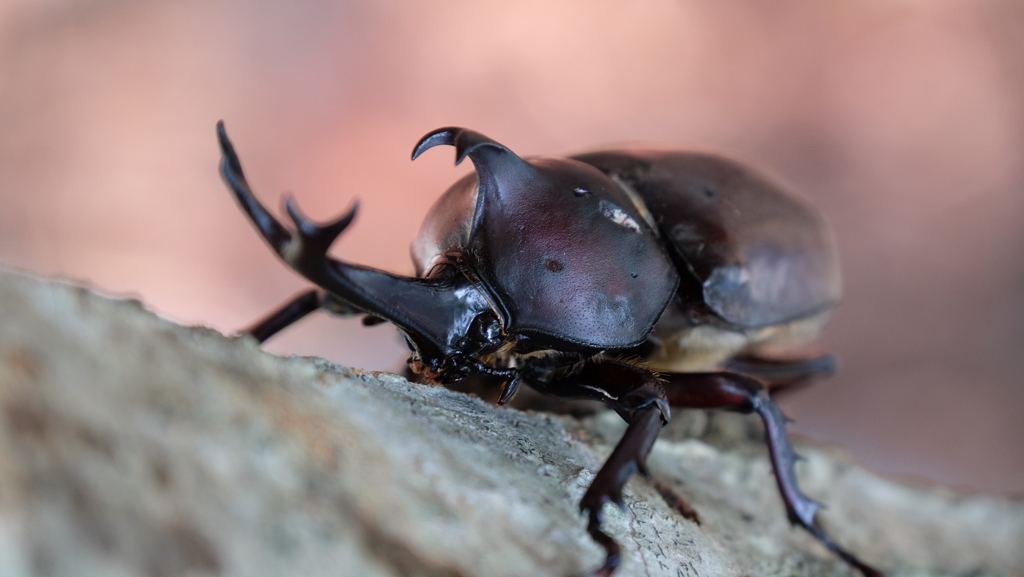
[559, 249]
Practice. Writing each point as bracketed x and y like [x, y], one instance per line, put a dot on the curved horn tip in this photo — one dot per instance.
[310, 228]
[342, 222]
[226, 148]
[464, 140]
[352, 210]
[222, 137]
[434, 138]
[291, 207]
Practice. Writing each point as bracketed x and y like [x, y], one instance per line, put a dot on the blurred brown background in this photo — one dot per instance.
[902, 119]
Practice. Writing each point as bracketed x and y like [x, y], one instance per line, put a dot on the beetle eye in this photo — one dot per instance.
[579, 191]
[486, 326]
[485, 331]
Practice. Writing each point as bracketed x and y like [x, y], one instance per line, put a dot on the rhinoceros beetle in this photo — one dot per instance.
[561, 272]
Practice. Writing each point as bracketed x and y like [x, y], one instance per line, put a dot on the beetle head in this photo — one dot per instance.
[558, 248]
[445, 319]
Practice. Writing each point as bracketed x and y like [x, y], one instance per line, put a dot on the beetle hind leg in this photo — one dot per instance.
[740, 393]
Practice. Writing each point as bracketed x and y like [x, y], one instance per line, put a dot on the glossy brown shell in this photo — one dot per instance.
[558, 245]
[762, 256]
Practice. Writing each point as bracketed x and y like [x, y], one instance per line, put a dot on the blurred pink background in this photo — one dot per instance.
[902, 119]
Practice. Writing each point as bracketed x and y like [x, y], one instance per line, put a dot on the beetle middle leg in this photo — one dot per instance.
[783, 376]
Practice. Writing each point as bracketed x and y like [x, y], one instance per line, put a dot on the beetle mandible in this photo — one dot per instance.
[555, 271]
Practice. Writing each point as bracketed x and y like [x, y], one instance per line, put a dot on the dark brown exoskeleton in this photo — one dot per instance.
[551, 271]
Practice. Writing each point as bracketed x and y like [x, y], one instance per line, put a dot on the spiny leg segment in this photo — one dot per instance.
[642, 399]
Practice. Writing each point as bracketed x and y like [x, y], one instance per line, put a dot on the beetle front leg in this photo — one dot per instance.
[735, 392]
[636, 394]
[627, 459]
[299, 306]
[294, 310]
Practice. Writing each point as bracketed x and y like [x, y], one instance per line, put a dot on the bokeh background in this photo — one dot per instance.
[902, 119]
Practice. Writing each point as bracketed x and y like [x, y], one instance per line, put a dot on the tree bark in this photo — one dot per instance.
[133, 446]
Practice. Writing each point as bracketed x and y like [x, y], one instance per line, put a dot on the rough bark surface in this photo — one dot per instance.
[133, 446]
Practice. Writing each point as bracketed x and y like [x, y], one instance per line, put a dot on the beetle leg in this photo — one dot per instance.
[299, 306]
[735, 392]
[637, 395]
[295, 309]
[628, 458]
[509, 389]
[783, 376]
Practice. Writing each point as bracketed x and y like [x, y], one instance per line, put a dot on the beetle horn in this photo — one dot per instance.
[420, 308]
[491, 159]
[495, 164]
[466, 142]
